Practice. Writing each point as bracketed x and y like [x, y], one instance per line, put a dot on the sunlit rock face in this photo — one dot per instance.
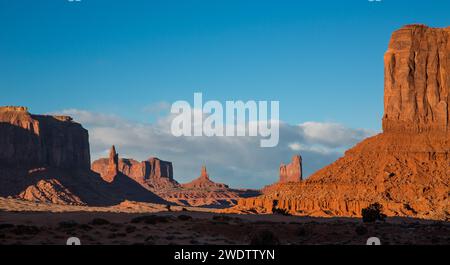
[417, 84]
[407, 167]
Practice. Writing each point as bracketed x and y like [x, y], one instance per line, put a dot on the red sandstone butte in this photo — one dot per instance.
[417, 82]
[291, 172]
[407, 167]
[203, 182]
[152, 173]
[28, 140]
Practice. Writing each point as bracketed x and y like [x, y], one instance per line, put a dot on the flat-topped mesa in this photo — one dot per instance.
[159, 169]
[32, 141]
[291, 172]
[417, 80]
[13, 108]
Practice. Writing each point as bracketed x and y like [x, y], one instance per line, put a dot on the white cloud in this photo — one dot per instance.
[237, 161]
[332, 135]
[295, 146]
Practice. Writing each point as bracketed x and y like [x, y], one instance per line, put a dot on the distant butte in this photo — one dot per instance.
[203, 182]
[292, 172]
[156, 176]
[152, 173]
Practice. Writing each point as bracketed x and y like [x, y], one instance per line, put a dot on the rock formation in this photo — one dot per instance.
[46, 158]
[113, 165]
[407, 167]
[50, 191]
[291, 172]
[32, 141]
[152, 173]
[417, 82]
[156, 176]
[202, 191]
[203, 182]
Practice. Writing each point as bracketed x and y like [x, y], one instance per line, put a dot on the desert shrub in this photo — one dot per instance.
[99, 221]
[6, 226]
[361, 230]
[130, 229]
[26, 230]
[85, 227]
[264, 238]
[373, 213]
[222, 218]
[67, 224]
[116, 235]
[150, 219]
[301, 231]
[168, 207]
[184, 217]
[280, 211]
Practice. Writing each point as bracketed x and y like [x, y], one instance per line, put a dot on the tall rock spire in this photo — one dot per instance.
[204, 182]
[113, 165]
[204, 173]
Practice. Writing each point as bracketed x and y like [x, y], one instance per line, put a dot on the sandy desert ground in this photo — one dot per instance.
[23, 222]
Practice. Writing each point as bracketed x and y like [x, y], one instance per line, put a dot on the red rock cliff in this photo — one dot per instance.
[417, 81]
[31, 141]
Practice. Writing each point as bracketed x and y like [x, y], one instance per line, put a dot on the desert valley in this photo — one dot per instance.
[51, 190]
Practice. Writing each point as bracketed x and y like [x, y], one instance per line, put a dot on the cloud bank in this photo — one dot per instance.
[237, 161]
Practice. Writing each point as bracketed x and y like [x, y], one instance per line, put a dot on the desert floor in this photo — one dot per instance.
[32, 223]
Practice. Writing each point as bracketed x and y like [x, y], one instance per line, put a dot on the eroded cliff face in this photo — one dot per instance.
[407, 167]
[152, 173]
[292, 172]
[32, 141]
[417, 82]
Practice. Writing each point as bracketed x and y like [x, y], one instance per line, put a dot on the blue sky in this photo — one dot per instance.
[323, 60]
